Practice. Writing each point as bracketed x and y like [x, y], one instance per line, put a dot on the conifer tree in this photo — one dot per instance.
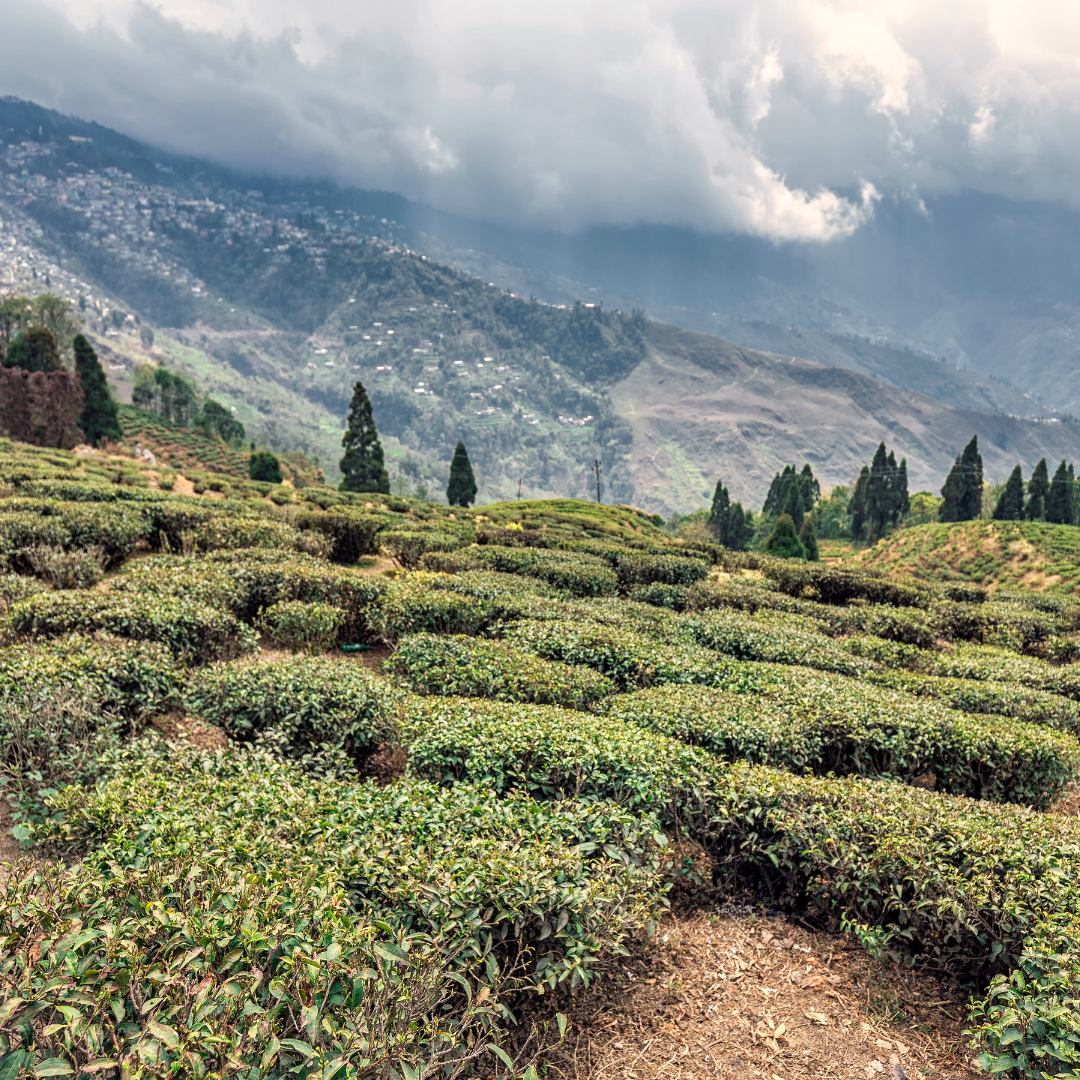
[1059, 508]
[962, 492]
[783, 541]
[1038, 490]
[461, 488]
[34, 349]
[794, 505]
[740, 528]
[717, 521]
[363, 466]
[808, 539]
[857, 506]
[99, 418]
[1010, 507]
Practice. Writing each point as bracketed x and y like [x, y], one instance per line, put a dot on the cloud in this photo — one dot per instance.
[788, 119]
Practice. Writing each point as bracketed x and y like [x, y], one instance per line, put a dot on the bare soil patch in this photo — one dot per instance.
[176, 727]
[738, 998]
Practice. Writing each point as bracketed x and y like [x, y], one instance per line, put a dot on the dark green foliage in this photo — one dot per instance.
[461, 487]
[728, 522]
[215, 419]
[352, 533]
[1059, 508]
[642, 569]
[408, 546]
[792, 493]
[161, 391]
[472, 667]
[312, 701]
[99, 417]
[1038, 491]
[962, 492]
[298, 624]
[362, 467]
[579, 575]
[264, 466]
[880, 497]
[783, 542]
[808, 539]
[33, 349]
[1010, 507]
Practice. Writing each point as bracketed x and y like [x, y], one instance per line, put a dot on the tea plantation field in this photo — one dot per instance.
[576, 715]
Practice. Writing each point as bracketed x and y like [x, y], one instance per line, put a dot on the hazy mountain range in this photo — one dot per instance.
[928, 324]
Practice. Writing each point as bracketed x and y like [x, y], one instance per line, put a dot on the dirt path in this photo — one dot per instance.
[737, 998]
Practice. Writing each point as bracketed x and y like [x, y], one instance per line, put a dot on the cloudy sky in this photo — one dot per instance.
[787, 119]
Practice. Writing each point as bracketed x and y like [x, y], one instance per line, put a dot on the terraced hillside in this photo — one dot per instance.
[1001, 555]
[282, 858]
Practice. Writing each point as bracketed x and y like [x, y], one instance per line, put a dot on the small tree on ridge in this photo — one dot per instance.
[461, 487]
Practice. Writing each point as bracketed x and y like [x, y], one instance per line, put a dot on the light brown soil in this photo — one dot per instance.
[738, 998]
[176, 727]
[1068, 802]
[183, 486]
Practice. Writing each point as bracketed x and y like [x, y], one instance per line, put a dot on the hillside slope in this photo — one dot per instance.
[700, 407]
[1032, 555]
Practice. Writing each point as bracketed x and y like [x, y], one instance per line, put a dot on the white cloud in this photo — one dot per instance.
[784, 118]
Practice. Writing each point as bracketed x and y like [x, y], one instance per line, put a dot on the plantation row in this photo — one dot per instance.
[571, 693]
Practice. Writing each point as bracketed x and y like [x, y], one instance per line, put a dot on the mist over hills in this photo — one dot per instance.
[276, 295]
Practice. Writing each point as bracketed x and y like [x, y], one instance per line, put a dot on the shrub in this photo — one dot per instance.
[450, 562]
[578, 575]
[352, 533]
[14, 587]
[83, 491]
[115, 528]
[627, 657]
[890, 654]
[750, 638]
[999, 665]
[20, 530]
[704, 595]
[124, 677]
[433, 664]
[415, 603]
[62, 569]
[637, 568]
[829, 724]
[196, 632]
[298, 624]
[974, 696]
[407, 546]
[123, 950]
[674, 597]
[313, 701]
[580, 877]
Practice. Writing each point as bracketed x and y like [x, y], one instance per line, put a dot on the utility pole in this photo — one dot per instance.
[519, 488]
[596, 469]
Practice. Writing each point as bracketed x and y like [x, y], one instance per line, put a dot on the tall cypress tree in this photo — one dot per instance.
[1059, 509]
[99, 418]
[902, 502]
[962, 492]
[1010, 507]
[857, 506]
[740, 529]
[719, 514]
[363, 467]
[794, 504]
[461, 488]
[1038, 489]
[808, 539]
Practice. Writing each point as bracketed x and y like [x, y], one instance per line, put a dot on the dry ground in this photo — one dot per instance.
[735, 997]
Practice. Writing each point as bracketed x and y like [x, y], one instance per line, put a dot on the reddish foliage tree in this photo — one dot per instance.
[41, 407]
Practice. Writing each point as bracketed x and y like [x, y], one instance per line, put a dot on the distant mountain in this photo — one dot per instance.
[276, 296]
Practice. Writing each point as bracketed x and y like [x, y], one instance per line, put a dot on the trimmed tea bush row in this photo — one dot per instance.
[99, 970]
[488, 878]
[126, 677]
[956, 883]
[407, 546]
[15, 587]
[777, 638]
[973, 696]
[984, 662]
[297, 625]
[829, 724]
[629, 658]
[472, 667]
[578, 575]
[314, 702]
[194, 632]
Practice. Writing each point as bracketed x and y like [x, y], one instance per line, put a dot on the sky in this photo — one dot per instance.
[785, 119]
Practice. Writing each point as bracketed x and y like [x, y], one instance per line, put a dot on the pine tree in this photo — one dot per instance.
[962, 492]
[740, 528]
[1059, 509]
[34, 349]
[903, 499]
[363, 467]
[461, 487]
[808, 539]
[783, 541]
[794, 505]
[1010, 507]
[857, 506]
[719, 514]
[263, 466]
[1038, 489]
[99, 418]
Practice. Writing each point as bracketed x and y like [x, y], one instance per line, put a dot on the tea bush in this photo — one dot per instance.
[636, 568]
[999, 665]
[499, 884]
[192, 631]
[415, 603]
[298, 624]
[748, 638]
[352, 534]
[15, 587]
[62, 569]
[407, 546]
[313, 701]
[674, 597]
[578, 575]
[829, 724]
[471, 667]
[629, 658]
